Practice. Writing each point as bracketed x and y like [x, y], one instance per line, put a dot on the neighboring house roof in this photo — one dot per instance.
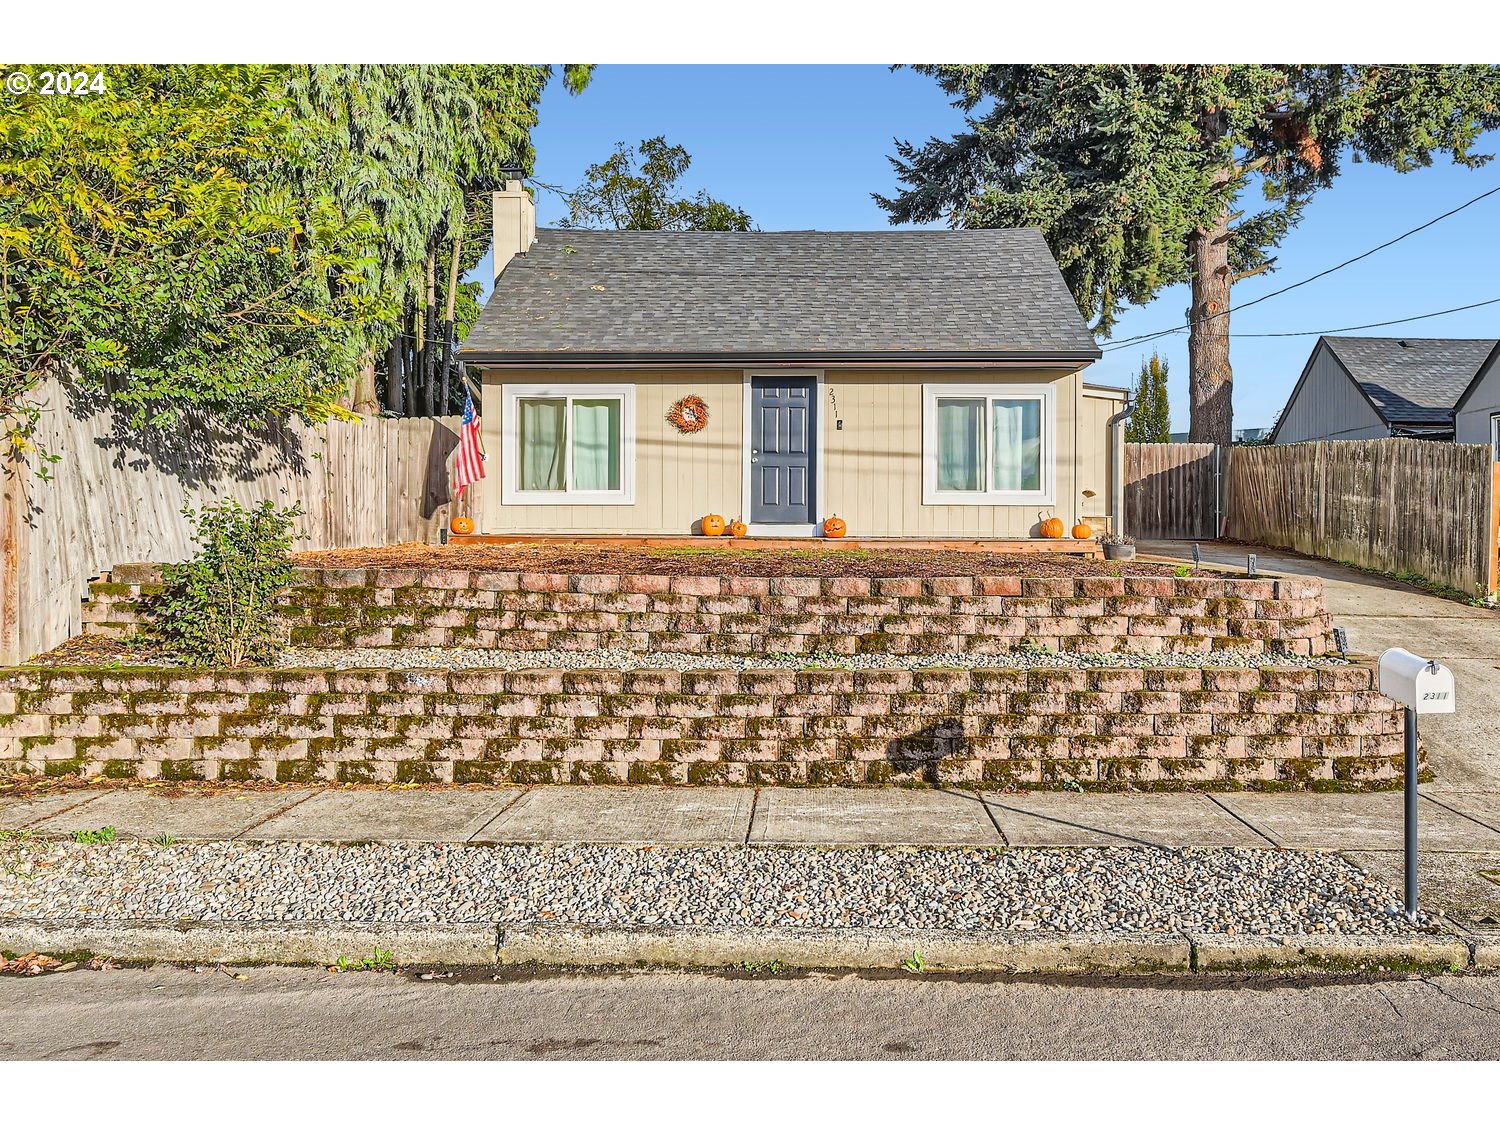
[789, 295]
[1409, 381]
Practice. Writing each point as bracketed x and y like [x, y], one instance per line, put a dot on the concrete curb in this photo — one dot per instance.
[1329, 953]
[943, 950]
[562, 945]
[254, 942]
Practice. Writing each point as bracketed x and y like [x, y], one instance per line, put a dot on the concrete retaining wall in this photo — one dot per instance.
[1284, 726]
[655, 613]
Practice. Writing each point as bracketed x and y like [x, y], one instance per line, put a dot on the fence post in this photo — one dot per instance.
[12, 528]
[1494, 540]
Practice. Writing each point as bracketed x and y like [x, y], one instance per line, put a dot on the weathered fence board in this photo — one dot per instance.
[1171, 490]
[117, 494]
[1393, 504]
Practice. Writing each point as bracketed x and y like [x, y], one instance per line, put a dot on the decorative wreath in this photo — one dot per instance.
[689, 414]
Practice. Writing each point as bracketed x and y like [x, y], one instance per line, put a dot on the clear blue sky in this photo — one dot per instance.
[802, 147]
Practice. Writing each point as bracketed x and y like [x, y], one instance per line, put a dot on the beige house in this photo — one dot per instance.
[917, 384]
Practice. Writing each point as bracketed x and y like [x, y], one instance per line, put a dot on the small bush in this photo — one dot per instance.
[220, 607]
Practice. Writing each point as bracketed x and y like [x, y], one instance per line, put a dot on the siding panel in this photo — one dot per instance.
[1472, 424]
[872, 467]
[1329, 406]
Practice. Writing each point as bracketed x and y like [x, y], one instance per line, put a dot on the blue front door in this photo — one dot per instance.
[783, 420]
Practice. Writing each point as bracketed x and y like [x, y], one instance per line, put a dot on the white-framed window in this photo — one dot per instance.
[1495, 435]
[989, 443]
[569, 444]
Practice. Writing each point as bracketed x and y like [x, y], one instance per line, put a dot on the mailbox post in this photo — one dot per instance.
[1423, 687]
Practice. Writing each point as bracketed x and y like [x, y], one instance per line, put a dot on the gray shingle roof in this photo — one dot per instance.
[1411, 380]
[916, 294]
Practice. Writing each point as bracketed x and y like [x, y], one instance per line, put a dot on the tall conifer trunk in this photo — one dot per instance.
[430, 344]
[1210, 379]
[450, 302]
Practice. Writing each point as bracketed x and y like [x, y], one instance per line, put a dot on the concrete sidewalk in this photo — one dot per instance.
[1450, 821]
[1460, 868]
[1459, 831]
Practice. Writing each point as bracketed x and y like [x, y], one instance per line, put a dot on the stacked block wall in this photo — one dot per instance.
[382, 608]
[1256, 726]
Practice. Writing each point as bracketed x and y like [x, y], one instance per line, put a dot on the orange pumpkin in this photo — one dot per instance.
[713, 525]
[1052, 528]
[834, 528]
[461, 525]
[738, 529]
[1082, 530]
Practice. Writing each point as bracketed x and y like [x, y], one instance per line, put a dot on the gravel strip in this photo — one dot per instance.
[1076, 890]
[626, 660]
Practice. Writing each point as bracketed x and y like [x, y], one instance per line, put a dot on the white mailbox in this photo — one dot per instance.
[1416, 682]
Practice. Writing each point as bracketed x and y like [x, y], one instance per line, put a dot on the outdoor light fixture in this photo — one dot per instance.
[1250, 566]
[1197, 555]
[1341, 640]
[1423, 687]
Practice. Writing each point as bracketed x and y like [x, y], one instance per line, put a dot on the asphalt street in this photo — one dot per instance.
[283, 1013]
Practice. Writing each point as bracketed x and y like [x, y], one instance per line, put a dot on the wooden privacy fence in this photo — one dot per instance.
[117, 494]
[1171, 490]
[1394, 504]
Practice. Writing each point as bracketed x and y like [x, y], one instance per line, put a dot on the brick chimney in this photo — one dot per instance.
[514, 224]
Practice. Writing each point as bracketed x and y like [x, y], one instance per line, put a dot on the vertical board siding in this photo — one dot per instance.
[1095, 465]
[1170, 489]
[679, 478]
[116, 495]
[872, 467]
[1395, 504]
[1328, 404]
[1472, 423]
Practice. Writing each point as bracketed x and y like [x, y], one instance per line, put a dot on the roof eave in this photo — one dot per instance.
[483, 357]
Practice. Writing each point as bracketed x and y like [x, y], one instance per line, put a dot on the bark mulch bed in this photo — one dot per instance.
[98, 651]
[727, 562]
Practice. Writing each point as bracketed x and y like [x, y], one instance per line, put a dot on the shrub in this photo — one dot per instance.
[220, 606]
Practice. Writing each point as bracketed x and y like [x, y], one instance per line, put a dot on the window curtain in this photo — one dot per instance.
[960, 444]
[596, 445]
[543, 423]
[1016, 460]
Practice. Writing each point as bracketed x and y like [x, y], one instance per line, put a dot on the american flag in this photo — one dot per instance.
[469, 465]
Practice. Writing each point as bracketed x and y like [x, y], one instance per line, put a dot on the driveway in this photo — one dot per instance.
[1378, 614]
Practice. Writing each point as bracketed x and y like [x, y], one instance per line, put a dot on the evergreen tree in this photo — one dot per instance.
[1152, 420]
[1137, 174]
[421, 147]
[620, 194]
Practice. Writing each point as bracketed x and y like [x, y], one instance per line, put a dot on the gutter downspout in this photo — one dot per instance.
[1117, 466]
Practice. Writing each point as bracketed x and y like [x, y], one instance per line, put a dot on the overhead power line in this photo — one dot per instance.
[1145, 337]
[1377, 324]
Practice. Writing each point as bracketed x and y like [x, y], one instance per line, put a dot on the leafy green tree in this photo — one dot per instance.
[153, 247]
[253, 240]
[1138, 175]
[1152, 420]
[621, 194]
